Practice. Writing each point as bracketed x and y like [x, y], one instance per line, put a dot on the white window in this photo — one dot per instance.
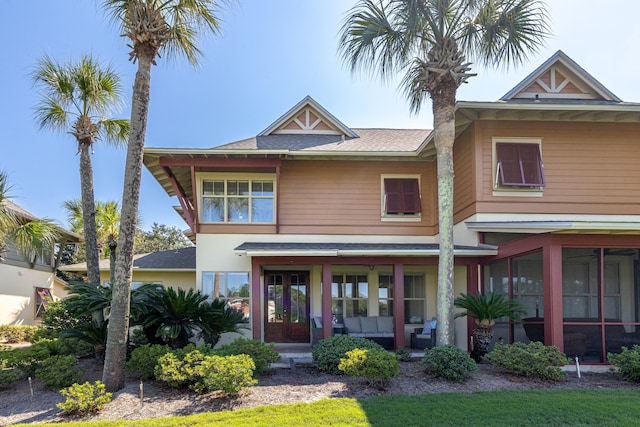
[242, 200]
[232, 287]
[517, 164]
[401, 197]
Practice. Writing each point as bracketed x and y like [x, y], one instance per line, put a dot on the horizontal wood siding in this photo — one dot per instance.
[344, 197]
[464, 172]
[590, 168]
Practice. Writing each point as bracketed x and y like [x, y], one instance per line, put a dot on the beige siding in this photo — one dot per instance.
[590, 168]
[179, 279]
[464, 172]
[18, 293]
[344, 197]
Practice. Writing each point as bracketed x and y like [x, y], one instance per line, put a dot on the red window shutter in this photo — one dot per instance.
[402, 196]
[520, 164]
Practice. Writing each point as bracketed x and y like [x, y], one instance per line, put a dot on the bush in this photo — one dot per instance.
[145, 359]
[84, 398]
[15, 334]
[377, 366]
[57, 372]
[263, 354]
[229, 374]
[328, 352]
[530, 360]
[7, 376]
[179, 371]
[449, 362]
[403, 354]
[25, 359]
[627, 362]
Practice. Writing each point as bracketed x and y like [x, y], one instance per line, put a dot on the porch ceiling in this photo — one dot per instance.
[356, 249]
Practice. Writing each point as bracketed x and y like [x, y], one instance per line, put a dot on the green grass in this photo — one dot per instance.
[504, 408]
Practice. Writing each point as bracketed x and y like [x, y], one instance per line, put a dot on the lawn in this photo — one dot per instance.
[575, 407]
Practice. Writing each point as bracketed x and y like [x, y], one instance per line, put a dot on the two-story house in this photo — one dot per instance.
[313, 219]
[27, 283]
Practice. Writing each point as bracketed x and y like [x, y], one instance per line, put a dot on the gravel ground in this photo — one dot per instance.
[303, 384]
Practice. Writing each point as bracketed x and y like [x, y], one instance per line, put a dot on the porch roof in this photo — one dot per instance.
[356, 249]
[535, 227]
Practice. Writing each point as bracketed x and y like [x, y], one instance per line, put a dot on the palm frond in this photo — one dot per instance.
[33, 238]
[489, 306]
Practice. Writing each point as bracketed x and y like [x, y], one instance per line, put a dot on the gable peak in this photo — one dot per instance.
[559, 78]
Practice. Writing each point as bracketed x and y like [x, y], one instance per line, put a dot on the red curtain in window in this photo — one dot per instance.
[520, 164]
[402, 195]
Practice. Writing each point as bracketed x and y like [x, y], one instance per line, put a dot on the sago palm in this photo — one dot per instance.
[485, 309]
[431, 43]
[75, 99]
[152, 27]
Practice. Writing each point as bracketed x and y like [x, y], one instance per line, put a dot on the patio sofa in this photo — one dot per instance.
[375, 328]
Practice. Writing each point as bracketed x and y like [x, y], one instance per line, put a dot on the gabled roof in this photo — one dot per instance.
[368, 140]
[183, 259]
[27, 216]
[308, 117]
[560, 78]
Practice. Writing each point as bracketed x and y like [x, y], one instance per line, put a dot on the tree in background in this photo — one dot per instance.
[430, 42]
[160, 238]
[32, 238]
[152, 27]
[75, 98]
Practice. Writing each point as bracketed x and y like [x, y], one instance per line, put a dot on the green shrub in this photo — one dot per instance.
[15, 334]
[229, 374]
[403, 354]
[530, 360]
[84, 398]
[449, 362]
[377, 366]
[627, 362]
[328, 352]
[57, 372]
[179, 371]
[25, 359]
[263, 354]
[145, 359]
[7, 376]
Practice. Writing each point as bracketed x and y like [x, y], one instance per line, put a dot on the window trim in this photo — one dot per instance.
[222, 176]
[399, 217]
[514, 189]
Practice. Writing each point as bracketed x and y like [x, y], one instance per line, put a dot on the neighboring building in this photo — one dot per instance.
[26, 284]
[174, 268]
[320, 220]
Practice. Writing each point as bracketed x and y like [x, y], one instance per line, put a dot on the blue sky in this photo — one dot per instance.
[271, 55]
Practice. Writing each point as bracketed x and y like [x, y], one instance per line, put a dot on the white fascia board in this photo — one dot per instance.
[285, 252]
[211, 151]
[550, 226]
[501, 105]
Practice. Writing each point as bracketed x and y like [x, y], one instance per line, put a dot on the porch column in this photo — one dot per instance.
[398, 305]
[473, 287]
[553, 328]
[256, 300]
[327, 316]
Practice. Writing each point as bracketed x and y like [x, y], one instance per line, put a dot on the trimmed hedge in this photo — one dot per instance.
[377, 366]
[627, 362]
[13, 334]
[530, 360]
[328, 352]
[449, 362]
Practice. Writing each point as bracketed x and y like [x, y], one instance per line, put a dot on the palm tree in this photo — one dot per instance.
[486, 308]
[152, 27]
[107, 226]
[75, 97]
[30, 237]
[430, 42]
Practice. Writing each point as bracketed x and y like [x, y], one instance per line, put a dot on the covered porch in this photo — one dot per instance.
[294, 285]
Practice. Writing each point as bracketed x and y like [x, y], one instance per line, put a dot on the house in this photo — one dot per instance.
[325, 221]
[174, 268]
[26, 284]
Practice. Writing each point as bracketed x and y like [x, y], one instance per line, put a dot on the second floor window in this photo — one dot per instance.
[519, 165]
[401, 196]
[237, 201]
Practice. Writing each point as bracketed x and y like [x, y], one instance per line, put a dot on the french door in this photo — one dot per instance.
[286, 310]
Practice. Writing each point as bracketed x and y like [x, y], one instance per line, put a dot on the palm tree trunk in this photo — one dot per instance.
[116, 351]
[89, 215]
[444, 99]
[113, 245]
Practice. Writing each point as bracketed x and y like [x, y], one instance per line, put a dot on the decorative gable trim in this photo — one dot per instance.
[560, 78]
[308, 117]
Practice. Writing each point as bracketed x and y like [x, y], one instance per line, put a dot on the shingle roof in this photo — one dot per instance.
[392, 140]
[177, 259]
